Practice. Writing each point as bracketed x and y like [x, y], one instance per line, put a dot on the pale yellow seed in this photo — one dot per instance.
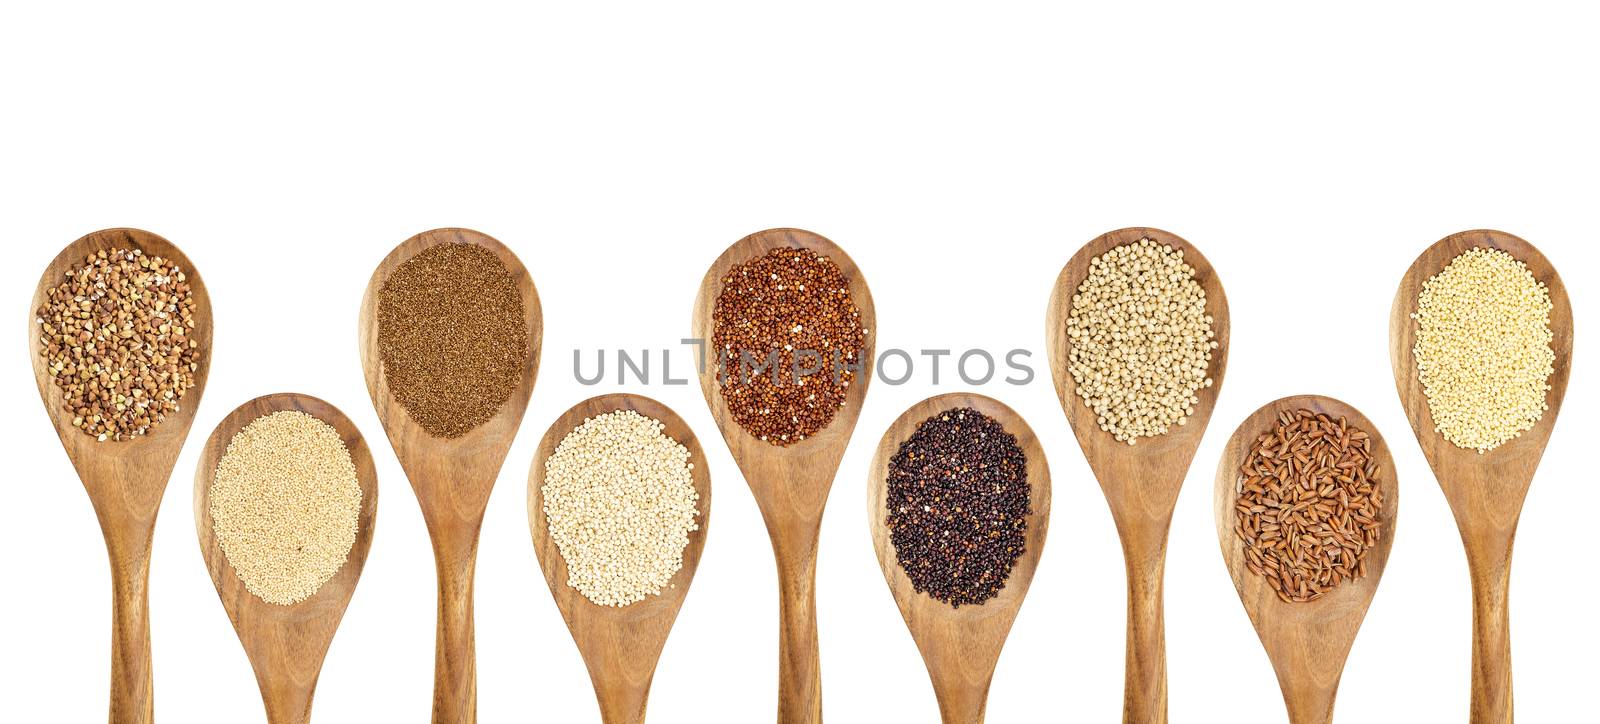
[620, 500]
[1483, 348]
[1140, 341]
[284, 505]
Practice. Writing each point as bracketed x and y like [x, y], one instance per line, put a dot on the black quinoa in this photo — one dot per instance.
[958, 503]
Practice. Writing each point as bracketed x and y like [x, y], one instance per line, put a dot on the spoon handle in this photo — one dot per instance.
[799, 673]
[455, 668]
[1309, 704]
[963, 704]
[1491, 638]
[132, 693]
[286, 702]
[1144, 698]
[621, 701]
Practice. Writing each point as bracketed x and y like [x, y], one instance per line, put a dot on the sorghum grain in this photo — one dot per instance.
[1309, 502]
[116, 337]
[620, 501]
[1483, 348]
[284, 505]
[1140, 340]
[452, 337]
[958, 503]
[787, 300]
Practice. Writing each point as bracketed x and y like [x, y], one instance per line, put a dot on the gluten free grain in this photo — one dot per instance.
[1140, 340]
[285, 503]
[1309, 504]
[116, 335]
[789, 302]
[620, 503]
[958, 502]
[1483, 348]
[452, 337]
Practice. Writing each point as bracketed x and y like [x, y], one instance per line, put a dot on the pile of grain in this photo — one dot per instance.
[1483, 348]
[284, 505]
[1140, 340]
[620, 501]
[795, 303]
[958, 506]
[1309, 502]
[452, 337]
[115, 335]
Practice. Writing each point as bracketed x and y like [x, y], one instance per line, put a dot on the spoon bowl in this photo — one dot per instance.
[1485, 491]
[1141, 481]
[790, 484]
[286, 645]
[1307, 641]
[452, 478]
[620, 644]
[959, 645]
[125, 479]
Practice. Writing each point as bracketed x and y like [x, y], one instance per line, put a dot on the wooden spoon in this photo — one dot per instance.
[125, 479]
[285, 644]
[451, 478]
[620, 645]
[791, 483]
[1484, 490]
[1307, 641]
[1140, 481]
[959, 645]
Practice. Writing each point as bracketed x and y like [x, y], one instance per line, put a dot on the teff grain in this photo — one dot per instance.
[1483, 348]
[620, 501]
[1140, 340]
[117, 338]
[452, 337]
[792, 302]
[284, 505]
[958, 503]
[1309, 504]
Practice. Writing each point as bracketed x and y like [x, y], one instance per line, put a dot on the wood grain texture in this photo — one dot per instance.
[285, 644]
[959, 645]
[1141, 481]
[620, 645]
[790, 484]
[125, 480]
[1485, 491]
[451, 478]
[1307, 641]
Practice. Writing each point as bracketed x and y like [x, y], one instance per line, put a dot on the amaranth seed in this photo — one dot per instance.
[285, 503]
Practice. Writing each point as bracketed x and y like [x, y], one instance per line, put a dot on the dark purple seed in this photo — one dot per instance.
[958, 506]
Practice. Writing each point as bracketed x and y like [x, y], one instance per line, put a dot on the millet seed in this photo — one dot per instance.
[620, 501]
[1483, 348]
[117, 338]
[285, 504]
[958, 506]
[1140, 340]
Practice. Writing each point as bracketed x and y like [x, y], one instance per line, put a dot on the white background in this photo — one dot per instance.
[960, 155]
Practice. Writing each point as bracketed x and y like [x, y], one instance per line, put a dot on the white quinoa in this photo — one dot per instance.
[284, 505]
[620, 499]
[1140, 340]
[1483, 348]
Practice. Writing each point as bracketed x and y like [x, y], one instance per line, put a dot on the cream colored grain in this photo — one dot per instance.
[284, 505]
